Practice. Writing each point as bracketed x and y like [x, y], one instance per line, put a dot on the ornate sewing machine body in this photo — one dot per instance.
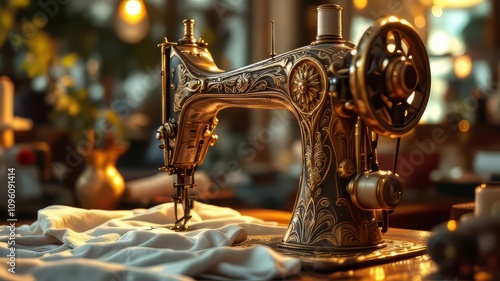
[342, 96]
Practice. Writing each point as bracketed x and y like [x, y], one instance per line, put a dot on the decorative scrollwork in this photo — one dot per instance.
[251, 81]
[243, 82]
[316, 161]
[188, 85]
[313, 219]
[324, 218]
[336, 60]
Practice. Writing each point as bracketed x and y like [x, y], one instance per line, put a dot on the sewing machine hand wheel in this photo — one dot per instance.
[390, 77]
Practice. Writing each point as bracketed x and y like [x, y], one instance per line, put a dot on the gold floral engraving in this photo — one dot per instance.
[324, 219]
[243, 82]
[336, 60]
[314, 216]
[312, 220]
[272, 77]
[188, 85]
[316, 161]
[306, 85]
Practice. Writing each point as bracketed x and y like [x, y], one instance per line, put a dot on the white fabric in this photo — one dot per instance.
[68, 243]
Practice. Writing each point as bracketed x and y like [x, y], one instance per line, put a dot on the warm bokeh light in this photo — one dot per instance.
[439, 42]
[437, 11]
[440, 3]
[457, 3]
[420, 21]
[464, 125]
[132, 22]
[462, 66]
[451, 3]
[360, 4]
[451, 225]
[378, 273]
[133, 7]
[132, 11]
[434, 112]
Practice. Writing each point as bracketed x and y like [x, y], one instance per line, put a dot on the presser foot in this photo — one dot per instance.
[187, 204]
[180, 224]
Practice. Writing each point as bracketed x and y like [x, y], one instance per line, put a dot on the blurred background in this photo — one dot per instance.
[80, 65]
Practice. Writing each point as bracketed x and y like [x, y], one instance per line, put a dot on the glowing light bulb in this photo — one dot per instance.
[420, 21]
[133, 7]
[132, 23]
[132, 11]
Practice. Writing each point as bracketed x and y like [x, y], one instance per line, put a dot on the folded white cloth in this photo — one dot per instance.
[68, 243]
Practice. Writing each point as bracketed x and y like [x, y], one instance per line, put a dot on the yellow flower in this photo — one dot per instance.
[41, 52]
[69, 60]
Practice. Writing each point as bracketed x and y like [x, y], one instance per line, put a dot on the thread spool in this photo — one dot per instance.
[329, 24]
[486, 196]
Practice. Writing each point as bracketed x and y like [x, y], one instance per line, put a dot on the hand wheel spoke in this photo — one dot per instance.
[398, 114]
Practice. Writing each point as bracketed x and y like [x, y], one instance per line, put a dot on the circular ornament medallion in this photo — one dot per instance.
[307, 85]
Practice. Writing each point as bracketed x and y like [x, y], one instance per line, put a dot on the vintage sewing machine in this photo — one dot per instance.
[343, 98]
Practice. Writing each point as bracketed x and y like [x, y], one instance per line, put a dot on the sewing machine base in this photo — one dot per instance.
[394, 250]
[398, 246]
[323, 249]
